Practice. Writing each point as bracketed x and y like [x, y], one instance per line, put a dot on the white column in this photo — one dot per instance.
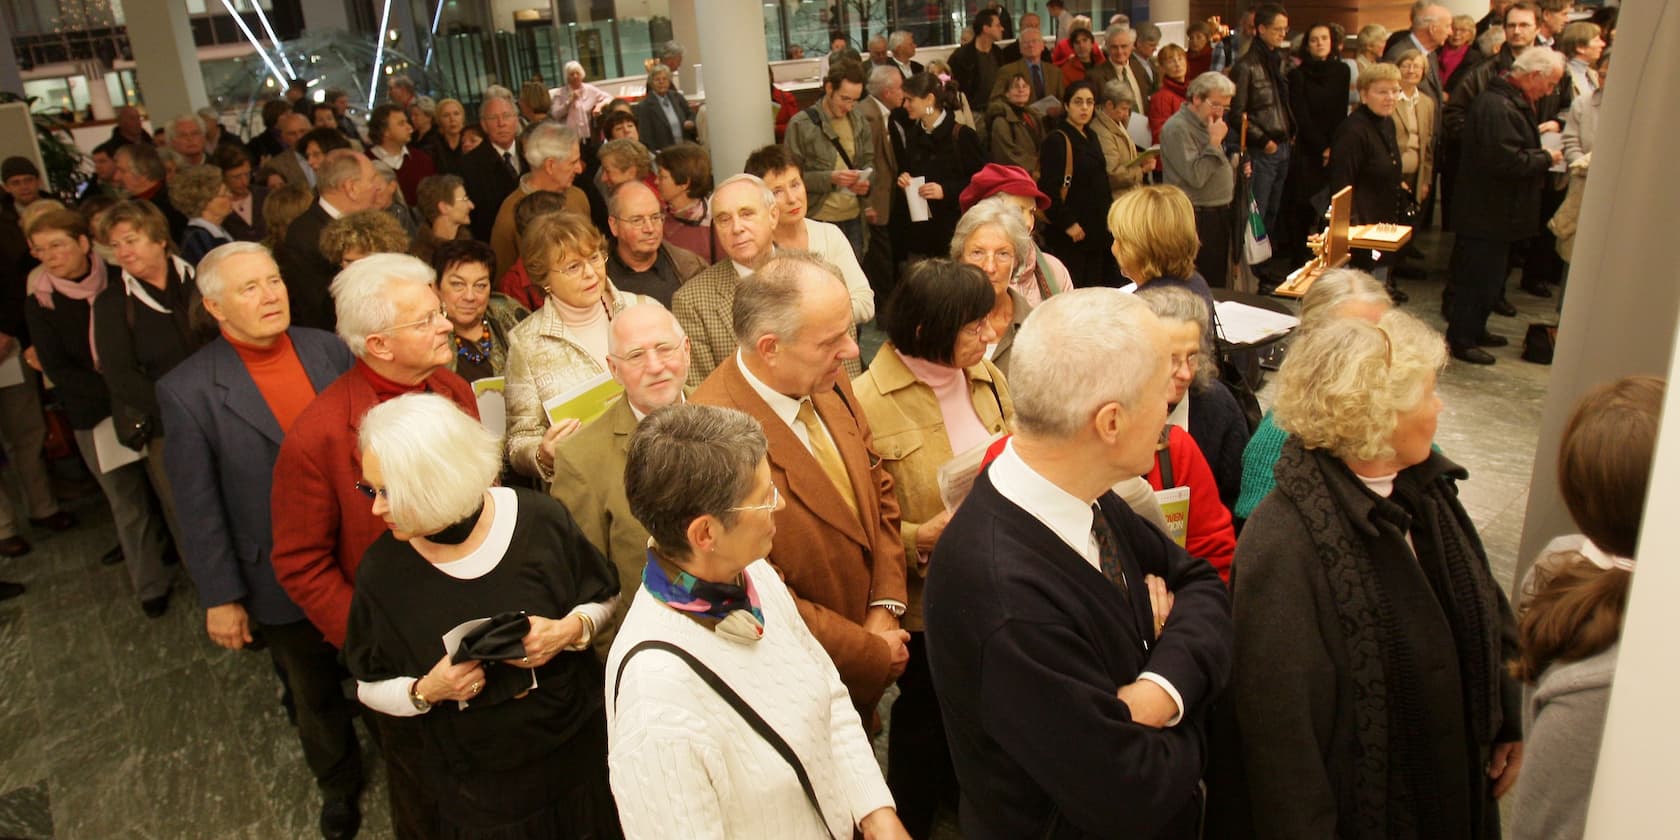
[685, 30]
[324, 14]
[1160, 10]
[165, 61]
[738, 118]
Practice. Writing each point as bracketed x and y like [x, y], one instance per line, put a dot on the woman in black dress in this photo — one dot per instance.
[1078, 233]
[1318, 96]
[940, 150]
[514, 738]
[1366, 155]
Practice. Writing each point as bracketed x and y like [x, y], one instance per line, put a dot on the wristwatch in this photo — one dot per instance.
[419, 700]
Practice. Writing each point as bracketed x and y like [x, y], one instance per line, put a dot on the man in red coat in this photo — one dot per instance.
[390, 317]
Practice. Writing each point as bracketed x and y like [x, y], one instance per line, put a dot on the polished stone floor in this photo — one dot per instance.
[116, 726]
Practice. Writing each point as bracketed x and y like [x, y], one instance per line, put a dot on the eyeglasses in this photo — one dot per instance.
[1192, 360]
[442, 314]
[664, 352]
[979, 257]
[574, 270]
[372, 492]
[650, 220]
[775, 501]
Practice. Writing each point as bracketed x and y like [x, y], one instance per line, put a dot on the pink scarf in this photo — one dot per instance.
[43, 283]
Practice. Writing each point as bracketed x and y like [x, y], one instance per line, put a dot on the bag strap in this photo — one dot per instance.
[753, 719]
[816, 120]
[1163, 459]
[1067, 172]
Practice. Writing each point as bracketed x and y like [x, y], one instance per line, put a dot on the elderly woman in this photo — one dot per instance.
[929, 395]
[685, 186]
[796, 232]
[422, 114]
[663, 116]
[992, 238]
[1365, 154]
[1337, 293]
[727, 718]
[58, 309]
[1074, 174]
[1415, 121]
[1039, 274]
[510, 719]
[201, 195]
[1114, 110]
[1459, 52]
[1174, 90]
[1369, 681]
[1371, 41]
[1154, 233]
[482, 318]
[562, 345]
[1574, 600]
[1015, 130]
[362, 234]
[578, 102]
[939, 150]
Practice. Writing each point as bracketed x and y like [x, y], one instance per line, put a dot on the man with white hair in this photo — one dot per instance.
[837, 544]
[1500, 180]
[348, 184]
[641, 261]
[1122, 65]
[901, 48]
[647, 353]
[492, 171]
[1076, 648]
[744, 214]
[187, 140]
[555, 160]
[1431, 24]
[228, 407]
[1193, 159]
[578, 102]
[389, 315]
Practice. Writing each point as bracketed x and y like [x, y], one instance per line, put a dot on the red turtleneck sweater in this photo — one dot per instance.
[279, 375]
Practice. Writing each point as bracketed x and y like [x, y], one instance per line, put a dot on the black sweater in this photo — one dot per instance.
[948, 156]
[61, 343]
[1029, 643]
[1365, 154]
[139, 344]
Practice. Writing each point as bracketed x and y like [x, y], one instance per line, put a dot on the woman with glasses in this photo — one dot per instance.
[481, 318]
[929, 395]
[992, 238]
[713, 645]
[795, 231]
[471, 618]
[565, 343]
[201, 195]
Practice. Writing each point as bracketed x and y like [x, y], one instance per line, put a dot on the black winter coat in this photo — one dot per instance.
[1087, 195]
[1366, 155]
[1503, 169]
[948, 156]
[1318, 95]
[1262, 94]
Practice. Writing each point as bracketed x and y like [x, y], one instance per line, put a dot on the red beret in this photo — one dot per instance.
[996, 178]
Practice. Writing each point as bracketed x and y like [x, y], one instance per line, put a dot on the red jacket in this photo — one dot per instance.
[516, 284]
[416, 166]
[1163, 104]
[1209, 534]
[322, 523]
[787, 106]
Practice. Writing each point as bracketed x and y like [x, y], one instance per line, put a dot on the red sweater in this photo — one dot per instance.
[322, 523]
[1209, 534]
[279, 375]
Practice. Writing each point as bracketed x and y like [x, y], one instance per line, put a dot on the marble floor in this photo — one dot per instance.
[116, 726]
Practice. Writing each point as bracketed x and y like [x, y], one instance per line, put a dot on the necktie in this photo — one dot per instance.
[827, 456]
[1038, 82]
[1108, 551]
[512, 168]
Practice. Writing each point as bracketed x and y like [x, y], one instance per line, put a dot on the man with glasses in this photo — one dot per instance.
[647, 353]
[1262, 95]
[388, 313]
[641, 260]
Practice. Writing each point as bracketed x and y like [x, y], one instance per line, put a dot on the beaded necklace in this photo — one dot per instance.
[465, 349]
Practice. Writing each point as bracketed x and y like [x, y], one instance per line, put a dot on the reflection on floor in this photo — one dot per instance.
[114, 726]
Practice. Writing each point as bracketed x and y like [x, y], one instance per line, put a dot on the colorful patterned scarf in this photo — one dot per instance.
[736, 608]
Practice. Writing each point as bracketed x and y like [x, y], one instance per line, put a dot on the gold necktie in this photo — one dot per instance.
[827, 456]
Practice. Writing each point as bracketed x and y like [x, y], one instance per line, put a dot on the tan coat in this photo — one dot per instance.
[835, 561]
[1416, 120]
[1053, 85]
[504, 235]
[1118, 150]
[884, 181]
[910, 435]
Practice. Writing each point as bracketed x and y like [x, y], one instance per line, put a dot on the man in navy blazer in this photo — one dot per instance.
[228, 407]
[1075, 648]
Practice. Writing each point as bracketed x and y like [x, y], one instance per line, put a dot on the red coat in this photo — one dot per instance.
[787, 106]
[1163, 104]
[416, 165]
[516, 284]
[1209, 534]
[322, 523]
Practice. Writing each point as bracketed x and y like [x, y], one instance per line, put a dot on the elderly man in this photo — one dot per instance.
[1262, 96]
[878, 51]
[227, 408]
[744, 217]
[1123, 65]
[1193, 159]
[901, 49]
[492, 171]
[647, 353]
[833, 146]
[641, 260]
[886, 95]
[975, 64]
[1073, 702]
[290, 161]
[389, 315]
[348, 184]
[1044, 77]
[187, 140]
[141, 173]
[129, 130]
[1148, 41]
[402, 92]
[389, 133]
[1500, 181]
[837, 541]
[1431, 24]
[555, 161]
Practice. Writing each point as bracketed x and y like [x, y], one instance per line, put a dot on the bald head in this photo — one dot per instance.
[648, 355]
[1431, 25]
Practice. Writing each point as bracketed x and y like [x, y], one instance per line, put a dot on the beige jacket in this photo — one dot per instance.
[1414, 129]
[1118, 150]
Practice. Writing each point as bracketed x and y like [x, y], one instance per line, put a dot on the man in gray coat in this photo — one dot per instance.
[1193, 159]
[834, 148]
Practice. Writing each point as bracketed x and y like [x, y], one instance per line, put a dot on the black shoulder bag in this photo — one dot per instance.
[816, 120]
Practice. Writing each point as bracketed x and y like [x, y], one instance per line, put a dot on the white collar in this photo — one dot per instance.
[1417, 43]
[331, 210]
[218, 230]
[783, 406]
[484, 559]
[142, 291]
[1058, 509]
[507, 151]
[936, 123]
[394, 161]
[740, 270]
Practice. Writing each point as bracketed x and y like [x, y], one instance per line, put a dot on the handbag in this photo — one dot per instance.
[753, 719]
[1257, 248]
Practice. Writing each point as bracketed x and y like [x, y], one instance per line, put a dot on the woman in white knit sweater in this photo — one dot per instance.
[686, 762]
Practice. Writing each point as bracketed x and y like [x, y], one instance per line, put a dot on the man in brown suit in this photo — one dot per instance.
[837, 541]
[744, 222]
[886, 94]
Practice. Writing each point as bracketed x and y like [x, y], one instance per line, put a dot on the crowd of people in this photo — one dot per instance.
[355, 380]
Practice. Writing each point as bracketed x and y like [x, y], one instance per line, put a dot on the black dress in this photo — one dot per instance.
[1318, 95]
[527, 767]
[1088, 261]
[948, 156]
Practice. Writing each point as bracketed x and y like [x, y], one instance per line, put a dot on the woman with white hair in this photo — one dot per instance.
[1369, 684]
[474, 614]
[578, 102]
[663, 115]
[992, 238]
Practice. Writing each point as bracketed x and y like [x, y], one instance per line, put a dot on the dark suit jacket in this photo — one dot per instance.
[489, 184]
[258, 227]
[220, 451]
[291, 168]
[834, 564]
[1053, 85]
[308, 275]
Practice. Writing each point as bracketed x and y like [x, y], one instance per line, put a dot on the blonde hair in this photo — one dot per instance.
[1154, 229]
[426, 492]
[1345, 383]
[552, 234]
[369, 231]
[1379, 72]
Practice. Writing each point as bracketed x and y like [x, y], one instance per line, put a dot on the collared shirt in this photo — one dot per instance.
[242, 207]
[903, 67]
[394, 161]
[659, 281]
[501, 154]
[1068, 518]
[331, 210]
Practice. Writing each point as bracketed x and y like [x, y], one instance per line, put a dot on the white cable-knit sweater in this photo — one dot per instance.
[684, 763]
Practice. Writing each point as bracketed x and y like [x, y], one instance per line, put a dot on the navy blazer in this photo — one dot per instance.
[219, 453]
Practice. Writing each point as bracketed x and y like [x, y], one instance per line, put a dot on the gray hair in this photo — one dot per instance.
[403, 82]
[1491, 40]
[881, 77]
[1420, 15]
[385, 173]
[361, 294]
[1114, 93]
[1211, 83]
[1337, 287]
[574, 65]
[1148, 33]
[194, 187]
[1077, 352]
[181, 118]
[1115, 31]
[647, 303]
[689, 461]
[210, 279]
[767, 302]
[899, 37]
[426, 492]
[995, 210]
[209, 113]
[1538, 61]
[1176, 303]
[497, 92]
[764, 192]
[341, 167]
[425, 105]
[144, 160]
[548, 141]
[670, 48]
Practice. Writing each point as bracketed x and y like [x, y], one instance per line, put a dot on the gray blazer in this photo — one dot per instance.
[219, 455]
